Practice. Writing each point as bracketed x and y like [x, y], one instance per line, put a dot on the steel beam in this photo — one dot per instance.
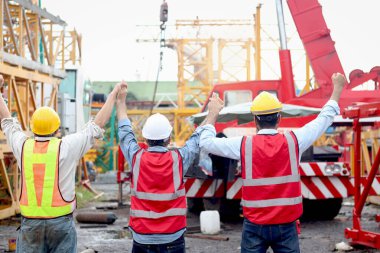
[32, 65]
[41, 12]
[27, 74]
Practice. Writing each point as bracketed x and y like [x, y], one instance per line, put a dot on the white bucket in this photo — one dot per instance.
[210, 222]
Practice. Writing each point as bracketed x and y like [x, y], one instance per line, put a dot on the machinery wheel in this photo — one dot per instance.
[321, 209]
[211, 204]
[194, 205]
[229, 209]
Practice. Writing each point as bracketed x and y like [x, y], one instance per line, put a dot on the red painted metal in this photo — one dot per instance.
[120, 168]
[318, 44]
[324, 59]
[356, 234]
[287, 88]
[320, 49]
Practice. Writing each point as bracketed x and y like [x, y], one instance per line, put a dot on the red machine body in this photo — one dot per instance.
[317, 183]
[357, 234]
[320, 180]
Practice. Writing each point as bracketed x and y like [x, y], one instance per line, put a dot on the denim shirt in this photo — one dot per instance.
[129, 147]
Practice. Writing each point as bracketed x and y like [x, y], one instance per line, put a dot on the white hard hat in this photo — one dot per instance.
[157, 127]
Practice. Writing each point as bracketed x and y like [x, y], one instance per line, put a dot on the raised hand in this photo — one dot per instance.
[123, 90]
[339, 81]
[118, 87]
[215, 104]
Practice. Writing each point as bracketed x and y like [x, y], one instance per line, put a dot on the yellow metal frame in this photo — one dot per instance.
[182, 129]
[371, 137]
[22, 26]
[194, 64]
[234, 57]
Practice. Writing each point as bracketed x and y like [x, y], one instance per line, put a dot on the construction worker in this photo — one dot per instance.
[271, 192]
[48, 167]
[158, 201]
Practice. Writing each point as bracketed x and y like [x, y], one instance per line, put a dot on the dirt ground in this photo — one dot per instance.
[316, 237]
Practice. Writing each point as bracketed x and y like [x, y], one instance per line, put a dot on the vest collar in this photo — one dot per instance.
[42, 138]
[268, 131]
[159, 149]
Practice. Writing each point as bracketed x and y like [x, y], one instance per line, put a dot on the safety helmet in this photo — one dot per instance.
[265, 103]
[157, 127]
[45, 121]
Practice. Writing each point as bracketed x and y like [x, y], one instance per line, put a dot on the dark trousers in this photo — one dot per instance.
[282, 238]
[177, 246]
[47, 235]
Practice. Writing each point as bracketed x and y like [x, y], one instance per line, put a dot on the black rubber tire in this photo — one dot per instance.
[230, 210]
[321, 209]
[194, 205]
[210, 204]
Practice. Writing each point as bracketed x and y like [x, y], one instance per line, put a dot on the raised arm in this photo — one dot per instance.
[128, 142]
[226, 147]
[4, 112]
[314, 129]
[215, 105]
[339, 82]
[121, 106]
[105, 112]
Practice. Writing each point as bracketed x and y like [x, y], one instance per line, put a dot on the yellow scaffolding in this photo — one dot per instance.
[238, 54]
[30, 75]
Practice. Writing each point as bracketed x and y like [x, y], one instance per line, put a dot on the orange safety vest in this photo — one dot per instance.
[40, 195]
[271, 192]
[158, 197]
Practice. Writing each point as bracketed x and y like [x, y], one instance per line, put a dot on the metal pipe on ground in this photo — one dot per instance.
[208, 237]
[96, 217]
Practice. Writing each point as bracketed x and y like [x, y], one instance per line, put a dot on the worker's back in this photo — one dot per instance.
[271, 181]
[158, 201]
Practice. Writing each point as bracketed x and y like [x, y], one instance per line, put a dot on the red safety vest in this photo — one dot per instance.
[158, 197]
[271, 192]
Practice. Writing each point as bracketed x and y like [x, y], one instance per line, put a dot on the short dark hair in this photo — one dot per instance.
[162, 142]
[267, 120]
[47, 135]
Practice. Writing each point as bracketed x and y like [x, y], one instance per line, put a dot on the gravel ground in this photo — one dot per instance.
[316, 237]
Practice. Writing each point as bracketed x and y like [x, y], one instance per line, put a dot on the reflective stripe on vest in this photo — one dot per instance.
[249, 181]
[272, 202]
[154, 215]
[40, 194]
[158, 196]
[292, 153]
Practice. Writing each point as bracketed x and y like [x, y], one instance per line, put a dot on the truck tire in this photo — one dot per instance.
[321, 209]
[194, 205]
[211, 204]
[229, 209]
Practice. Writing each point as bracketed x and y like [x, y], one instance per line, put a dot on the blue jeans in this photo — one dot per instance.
[177, 246]
[282, 238]
[47, 235]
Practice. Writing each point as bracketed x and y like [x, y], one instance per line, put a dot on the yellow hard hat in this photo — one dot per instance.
[265, 103]
[45, 121]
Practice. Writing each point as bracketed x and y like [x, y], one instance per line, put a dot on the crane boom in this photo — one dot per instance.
[318, 44]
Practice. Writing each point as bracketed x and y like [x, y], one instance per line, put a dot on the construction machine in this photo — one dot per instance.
[325, 171]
